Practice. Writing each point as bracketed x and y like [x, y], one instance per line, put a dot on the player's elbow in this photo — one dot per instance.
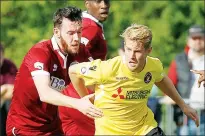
[44, 97]
[72, 73]
[71, 70]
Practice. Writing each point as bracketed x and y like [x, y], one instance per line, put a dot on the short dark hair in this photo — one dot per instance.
[106, 1]
[71, 13]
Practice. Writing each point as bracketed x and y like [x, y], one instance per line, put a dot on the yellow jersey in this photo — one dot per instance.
[122, 94]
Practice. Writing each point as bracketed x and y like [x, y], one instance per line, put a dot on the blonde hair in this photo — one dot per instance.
[138, 33]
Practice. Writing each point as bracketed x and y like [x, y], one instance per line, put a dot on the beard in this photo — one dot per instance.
[69, 49]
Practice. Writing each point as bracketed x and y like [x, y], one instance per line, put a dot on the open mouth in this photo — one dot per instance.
[105, 12]
[132, 63]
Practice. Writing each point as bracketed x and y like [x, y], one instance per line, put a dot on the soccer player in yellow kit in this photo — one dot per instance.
[123, 84]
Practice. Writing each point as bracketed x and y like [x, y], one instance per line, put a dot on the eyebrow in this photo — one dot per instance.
[76, 30]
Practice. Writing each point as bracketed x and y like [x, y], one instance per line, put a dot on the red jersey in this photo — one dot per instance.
[93, 37]
[73, 121]
[28, 114]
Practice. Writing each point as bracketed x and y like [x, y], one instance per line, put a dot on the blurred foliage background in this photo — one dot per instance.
[24, 23]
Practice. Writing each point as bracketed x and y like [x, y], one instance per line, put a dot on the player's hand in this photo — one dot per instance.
[3, 89]
[86, 107]
[201, 76]
[191, 113]
[7, 91]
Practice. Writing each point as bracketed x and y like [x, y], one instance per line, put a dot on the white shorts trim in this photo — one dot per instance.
[13, 131]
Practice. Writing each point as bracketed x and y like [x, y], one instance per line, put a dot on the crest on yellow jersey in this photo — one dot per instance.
[148, 77]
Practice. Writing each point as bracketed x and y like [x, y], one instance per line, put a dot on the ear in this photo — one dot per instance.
[87, 4]
[56, 32]
[149, 50]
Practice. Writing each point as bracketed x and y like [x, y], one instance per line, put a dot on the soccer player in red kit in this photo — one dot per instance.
[92, 32]
[74, 122]
[43, 73]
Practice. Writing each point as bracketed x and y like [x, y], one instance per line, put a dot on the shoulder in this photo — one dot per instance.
[41, 51]
[115, 60]
[153, 59]
[41, 47]
[181, 59]
[90, 24]
[181, 54]
[87, 22]
[44, 45]
[114, 63]
[154, 63]
[108, 64]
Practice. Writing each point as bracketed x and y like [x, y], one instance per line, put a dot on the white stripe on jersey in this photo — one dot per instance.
[13, 131]
[39, 72]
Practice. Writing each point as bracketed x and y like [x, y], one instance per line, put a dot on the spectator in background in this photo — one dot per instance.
[74, 122]
[179, 72]
[41, 77]
[7, 77]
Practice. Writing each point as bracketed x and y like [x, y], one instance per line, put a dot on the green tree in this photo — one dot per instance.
[24, 23]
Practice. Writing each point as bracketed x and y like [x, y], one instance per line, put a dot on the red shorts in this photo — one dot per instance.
[11, 130]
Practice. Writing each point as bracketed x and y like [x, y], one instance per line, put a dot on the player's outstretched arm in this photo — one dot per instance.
[201, 76]
[49, 95]
[78, 83]
[168, 88]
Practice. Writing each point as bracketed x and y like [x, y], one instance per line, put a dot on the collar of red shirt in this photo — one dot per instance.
[86, 15]
[56, 48]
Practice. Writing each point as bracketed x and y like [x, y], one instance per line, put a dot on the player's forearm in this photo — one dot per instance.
[55, 98]
[49, 95]
[168, 88]
[79, 85]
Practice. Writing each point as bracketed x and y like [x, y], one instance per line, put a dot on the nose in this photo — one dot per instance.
[75, 37]
[105, 3]
[132, 55]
